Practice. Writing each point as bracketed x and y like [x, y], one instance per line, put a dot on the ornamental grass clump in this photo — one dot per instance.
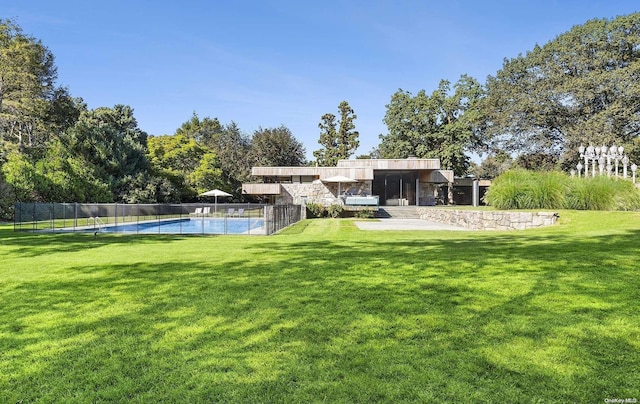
[591, 194]
[602, 193]
[546, 190]
[508, 190]
[627, 196]
[522, 189]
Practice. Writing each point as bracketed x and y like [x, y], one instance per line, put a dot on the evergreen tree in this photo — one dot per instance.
[338, 143]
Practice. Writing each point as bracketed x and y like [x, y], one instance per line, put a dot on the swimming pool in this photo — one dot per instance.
[192, 226]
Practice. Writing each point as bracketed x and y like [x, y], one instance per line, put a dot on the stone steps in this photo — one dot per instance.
[398, 212]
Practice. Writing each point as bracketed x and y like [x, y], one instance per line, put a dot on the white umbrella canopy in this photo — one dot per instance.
[215, 193]
[339, 179]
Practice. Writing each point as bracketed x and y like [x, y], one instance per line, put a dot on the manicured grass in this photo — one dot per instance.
[324, 312]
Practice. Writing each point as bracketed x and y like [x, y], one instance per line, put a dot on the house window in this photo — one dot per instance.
[284, 180]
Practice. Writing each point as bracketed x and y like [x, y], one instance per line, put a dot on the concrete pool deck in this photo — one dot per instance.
[405, 224]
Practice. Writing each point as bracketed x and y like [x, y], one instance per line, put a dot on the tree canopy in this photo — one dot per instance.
[189, 168]
[31, 105]
[228, 143]
[583, 86]
[276, 147]
[99, 159]
[441, 125]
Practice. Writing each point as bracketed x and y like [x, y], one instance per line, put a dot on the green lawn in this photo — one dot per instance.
[324, 312]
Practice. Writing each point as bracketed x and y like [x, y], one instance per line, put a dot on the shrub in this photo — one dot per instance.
[335, 211]
[365, 214]
[316, 210]
[7, 199]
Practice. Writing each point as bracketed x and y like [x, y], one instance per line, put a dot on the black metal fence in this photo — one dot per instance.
[277, 217]
[140, 218]
[201, 218]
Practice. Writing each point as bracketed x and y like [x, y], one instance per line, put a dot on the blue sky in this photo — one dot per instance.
[271, 63]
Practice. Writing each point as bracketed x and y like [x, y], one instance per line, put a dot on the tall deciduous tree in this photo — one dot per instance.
[204, 131]
[338, 143]
[27, 88]
[191, 168]
[583, 86]
[440, 126]
[34, 112]
[276, 147]
[229, 144]
[492, 166]
[232, 150]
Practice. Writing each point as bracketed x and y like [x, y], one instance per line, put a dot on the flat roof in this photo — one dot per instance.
[358, 169]
[393, 164]
[357, 173]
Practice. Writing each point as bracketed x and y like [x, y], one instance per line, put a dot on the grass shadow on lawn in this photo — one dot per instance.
[492, 317]
[549, 308]
[38, 244]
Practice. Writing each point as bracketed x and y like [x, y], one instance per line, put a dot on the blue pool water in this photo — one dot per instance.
[192, 226]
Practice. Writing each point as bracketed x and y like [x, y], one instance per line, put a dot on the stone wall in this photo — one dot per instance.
[301, 193]
[489, 219]
[321, 193]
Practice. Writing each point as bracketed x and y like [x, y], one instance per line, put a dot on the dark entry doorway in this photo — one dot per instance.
[395, 188]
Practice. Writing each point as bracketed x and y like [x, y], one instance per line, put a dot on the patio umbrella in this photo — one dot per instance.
[339, 179]
[215, 193]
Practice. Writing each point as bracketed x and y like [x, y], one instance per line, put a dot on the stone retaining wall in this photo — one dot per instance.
[489, 219]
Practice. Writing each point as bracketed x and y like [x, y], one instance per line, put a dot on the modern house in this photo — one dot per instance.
[361, 182]
[469, 191]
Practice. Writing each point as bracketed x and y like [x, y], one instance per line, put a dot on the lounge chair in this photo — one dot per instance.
[198, 212]
[240, 212]
[231, 212]
[206, 211]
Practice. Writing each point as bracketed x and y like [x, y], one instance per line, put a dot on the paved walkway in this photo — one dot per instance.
[405, 224]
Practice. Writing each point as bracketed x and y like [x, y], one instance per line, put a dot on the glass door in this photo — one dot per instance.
[395, 188]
